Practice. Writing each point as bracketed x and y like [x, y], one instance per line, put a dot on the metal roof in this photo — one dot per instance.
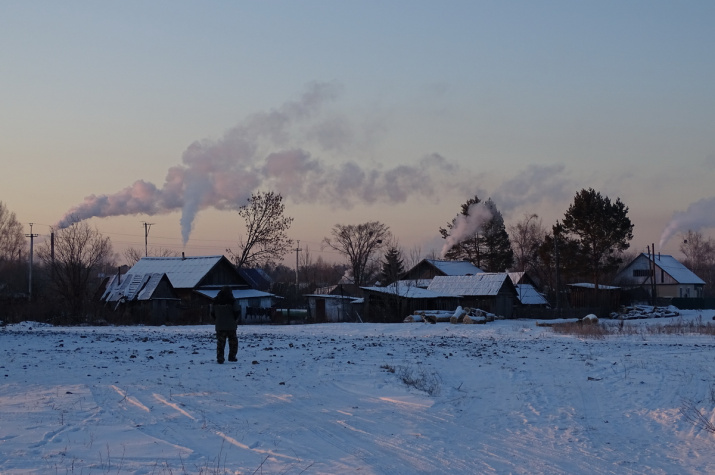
[676, 269]
[131, 287]
[528, 295]
[183, 272]
[455, 267]
[407, 291]
[483, 284]
[238, 294]
[590, 285]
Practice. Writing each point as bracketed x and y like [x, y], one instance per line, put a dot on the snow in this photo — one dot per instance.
[407, 398]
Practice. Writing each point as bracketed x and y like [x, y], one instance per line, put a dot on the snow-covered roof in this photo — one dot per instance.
[407, 291]
[423, 283]
[131, 287]
[676, 269]
[483, 284]
[335, 297]
[238, 294]
[183, 272]
[455, 267]
[589, 285]
[528, 295]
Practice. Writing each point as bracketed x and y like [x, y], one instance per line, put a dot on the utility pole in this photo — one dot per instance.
[297, 250]
[32, 245]
[654, 288]
[557, 231]
[147, 226]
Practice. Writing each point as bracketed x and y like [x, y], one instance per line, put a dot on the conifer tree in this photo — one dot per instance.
[392, 266]
[478, 235]
[601, 229]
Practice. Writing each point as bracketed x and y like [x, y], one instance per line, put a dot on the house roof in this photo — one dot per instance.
[132, 287]
[483, 284]
[183, 272]
[454, 267]
[407, 291]
[238, 294]
[528, 295]
[675, 269]
[589, 285]
[333, 297]
[256, 278]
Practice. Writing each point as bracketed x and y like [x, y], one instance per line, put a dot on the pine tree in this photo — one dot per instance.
[498, 254]
[392, 267]
[478, 235]
[601, 228]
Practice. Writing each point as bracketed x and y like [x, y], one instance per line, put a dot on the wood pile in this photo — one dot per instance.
[637, 312]
[460, 315]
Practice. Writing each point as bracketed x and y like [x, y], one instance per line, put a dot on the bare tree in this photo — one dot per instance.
[526, 237]
[697, 249]
[12, 239]
[414, 256]
[132, 254]
[699, 254]
[80, 252]
[359, 243]
[266, 240]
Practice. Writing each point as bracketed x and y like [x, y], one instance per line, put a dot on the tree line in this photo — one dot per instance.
[589, 243]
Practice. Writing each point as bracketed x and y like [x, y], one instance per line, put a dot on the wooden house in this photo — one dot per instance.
[394, 302]
[670, 278]
[142, 298]
[189, 277]
[492, 292]
[427, 269]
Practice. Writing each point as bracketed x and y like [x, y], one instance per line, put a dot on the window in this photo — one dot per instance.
[641, 272]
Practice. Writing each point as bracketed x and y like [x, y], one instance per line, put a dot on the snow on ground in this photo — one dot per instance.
[506, 397]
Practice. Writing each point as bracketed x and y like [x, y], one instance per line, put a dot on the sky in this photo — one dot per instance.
[378, 399]
[173, 113]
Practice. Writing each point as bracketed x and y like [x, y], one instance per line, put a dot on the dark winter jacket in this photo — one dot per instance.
[225, 316]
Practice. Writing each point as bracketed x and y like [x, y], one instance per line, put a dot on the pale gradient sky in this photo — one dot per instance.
[526, 102]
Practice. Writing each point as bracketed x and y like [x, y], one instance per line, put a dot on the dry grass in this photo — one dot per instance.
[600, 330]
[583, 330]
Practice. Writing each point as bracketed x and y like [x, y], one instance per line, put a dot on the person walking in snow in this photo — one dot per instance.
[226, 321]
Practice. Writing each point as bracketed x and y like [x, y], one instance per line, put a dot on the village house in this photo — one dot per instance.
[143, 298]
[670, 278]
[425, 270]
[491, 292]
[180, 289]
[394, 302]
[409, 294]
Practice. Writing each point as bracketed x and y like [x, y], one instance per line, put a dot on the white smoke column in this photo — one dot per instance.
[536, 183]
[466, 226]
[221, 173]
[264, 153]
[699, 215]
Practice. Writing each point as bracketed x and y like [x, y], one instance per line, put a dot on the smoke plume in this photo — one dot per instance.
[534, 184]
[466, 226]
[699, 215]
[266, 152]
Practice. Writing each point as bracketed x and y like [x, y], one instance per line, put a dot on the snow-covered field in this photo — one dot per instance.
[506, 397]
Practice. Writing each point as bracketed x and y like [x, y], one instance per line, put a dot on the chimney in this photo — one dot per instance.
[183, 257]
[119, 276]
